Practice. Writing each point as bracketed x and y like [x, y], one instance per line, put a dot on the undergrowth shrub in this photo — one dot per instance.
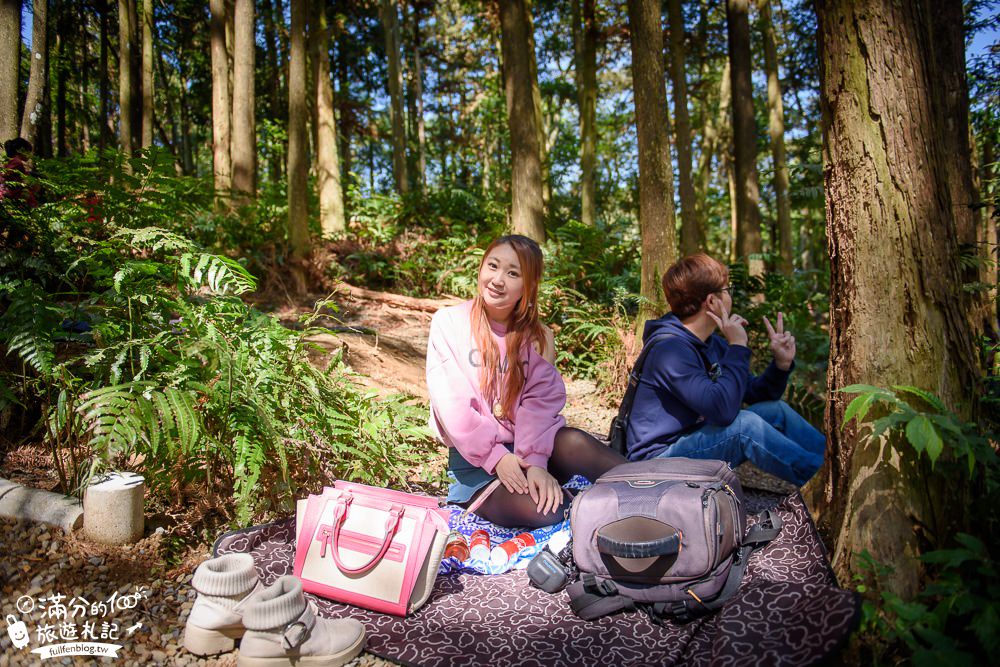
[955, 618]
[135, 351]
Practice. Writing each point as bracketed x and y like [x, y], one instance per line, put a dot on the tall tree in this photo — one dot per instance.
[776, 128]
[898, 315]
[298, 164]
[331, 197]
[390, 25]
[244, 132]
[656, 188]
[682, 129]
[147, 73]
[37, 79]
[10, 59]
[104, 85]
[126, 89]
[418, 94]
[747, 187]
[222, 168]
[527, 207]
[275, 111]
[585, 31]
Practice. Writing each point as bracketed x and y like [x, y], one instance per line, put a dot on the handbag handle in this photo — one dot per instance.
[662, 546]
[340, 516]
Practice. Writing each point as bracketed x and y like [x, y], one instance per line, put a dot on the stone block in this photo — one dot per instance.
[112, 508]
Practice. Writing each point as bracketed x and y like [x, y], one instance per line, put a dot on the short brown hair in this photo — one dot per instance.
[689, 281]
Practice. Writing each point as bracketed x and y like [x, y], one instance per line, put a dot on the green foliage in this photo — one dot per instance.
[954, 619]
[134, 348]
[927, 431]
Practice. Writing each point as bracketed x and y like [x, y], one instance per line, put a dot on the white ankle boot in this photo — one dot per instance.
[282, 629]
[225, 586]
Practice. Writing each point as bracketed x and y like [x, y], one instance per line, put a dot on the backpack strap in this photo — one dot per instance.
[590, 598]
[756, 537]
[625, 409]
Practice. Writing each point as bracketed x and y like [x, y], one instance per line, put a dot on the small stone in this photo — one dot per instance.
[159, 656]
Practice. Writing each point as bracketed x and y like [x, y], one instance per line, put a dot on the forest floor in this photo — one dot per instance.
[384, 339]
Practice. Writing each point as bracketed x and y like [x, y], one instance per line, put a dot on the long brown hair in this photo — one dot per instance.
[523, 327]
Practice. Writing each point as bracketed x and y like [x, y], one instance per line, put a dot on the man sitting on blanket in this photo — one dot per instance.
[693, 384]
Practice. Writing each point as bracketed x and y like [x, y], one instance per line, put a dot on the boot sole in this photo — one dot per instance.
[202, 641]
[333, 660]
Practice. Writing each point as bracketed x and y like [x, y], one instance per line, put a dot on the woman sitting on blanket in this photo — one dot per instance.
[496, 397]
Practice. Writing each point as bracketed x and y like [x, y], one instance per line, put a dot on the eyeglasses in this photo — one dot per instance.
[727, 288]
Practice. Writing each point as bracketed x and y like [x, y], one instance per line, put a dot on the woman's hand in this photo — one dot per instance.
[509, 473]
[544, 490]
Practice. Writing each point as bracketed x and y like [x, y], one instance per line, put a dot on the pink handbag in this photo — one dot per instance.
[374, 548]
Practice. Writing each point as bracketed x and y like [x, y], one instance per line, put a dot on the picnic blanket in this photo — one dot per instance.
[788, 611]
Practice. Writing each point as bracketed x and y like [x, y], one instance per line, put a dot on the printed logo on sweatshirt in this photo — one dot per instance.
[476, 360]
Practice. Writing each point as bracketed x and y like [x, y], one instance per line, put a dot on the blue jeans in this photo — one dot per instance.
[770, 434]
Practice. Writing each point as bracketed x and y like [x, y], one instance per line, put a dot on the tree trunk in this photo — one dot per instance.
[298, 165]
[682, 130]
[274, 112]
[748, 242]
[126, 90]
[104, 86]
[83, 115]
[711, 138]
[585, 34]
[527, 208]
[244, 131]
[63, 47]
[331, 198]
[35, 99]
[390, 24]
[776, 128]
[10, 59]
[656, 188]
[147, 73]
[536, 100]
[898, 315]
[222, 168]
[418, 94]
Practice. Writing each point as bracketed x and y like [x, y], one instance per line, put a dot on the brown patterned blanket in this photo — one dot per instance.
[788, 611]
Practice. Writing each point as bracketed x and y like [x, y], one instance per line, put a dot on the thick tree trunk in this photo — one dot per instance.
[331, 198]
[585, 40]
[390, 24]
[244, 131]
[898, 315]
[222, 168]
[147, 73]
[37, 79]
[298, 165]
[748, 241]
[656, 187]
[776, 128]
[682, 130]
[10, 59]
[536, 99]
[527, 206]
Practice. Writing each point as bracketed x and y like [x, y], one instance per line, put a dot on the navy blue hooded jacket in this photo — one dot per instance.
[687, 383]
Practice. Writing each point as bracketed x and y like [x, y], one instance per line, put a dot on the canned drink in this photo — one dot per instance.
[457, 547]
[479, 545]
[502, 553]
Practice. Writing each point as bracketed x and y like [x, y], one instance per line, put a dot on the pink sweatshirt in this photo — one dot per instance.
[463, 419]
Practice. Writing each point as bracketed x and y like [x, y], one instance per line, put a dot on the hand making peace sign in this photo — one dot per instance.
[782, 343]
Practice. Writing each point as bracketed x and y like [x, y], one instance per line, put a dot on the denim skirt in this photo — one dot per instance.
[465, 477]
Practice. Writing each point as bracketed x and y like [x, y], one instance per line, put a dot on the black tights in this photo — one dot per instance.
[575, 452]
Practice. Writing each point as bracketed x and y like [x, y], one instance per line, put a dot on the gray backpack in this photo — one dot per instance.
[666, 535]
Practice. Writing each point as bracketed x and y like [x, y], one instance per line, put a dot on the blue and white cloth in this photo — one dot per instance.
[471, 522]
